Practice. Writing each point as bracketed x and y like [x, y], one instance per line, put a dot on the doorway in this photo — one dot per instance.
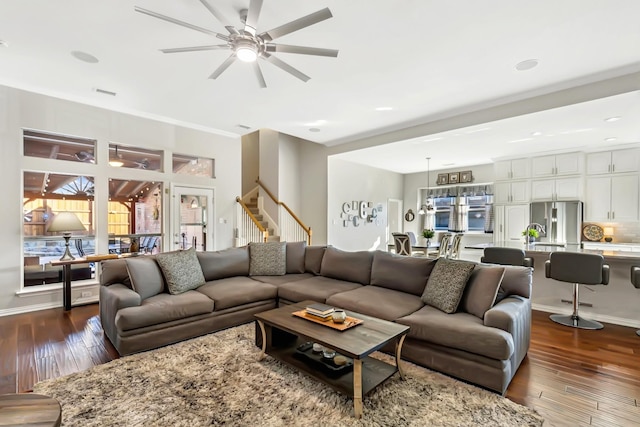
[192, 215]
[394, 221]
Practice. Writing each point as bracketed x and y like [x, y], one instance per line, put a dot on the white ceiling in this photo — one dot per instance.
[421, 57]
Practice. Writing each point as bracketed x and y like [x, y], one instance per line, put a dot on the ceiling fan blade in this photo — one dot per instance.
[251, 22]
[297, 24]
[218, 15]
[230, 60]
[176, 21]
[195, 48]
[286, 67]
[256, 69]
[304, 50]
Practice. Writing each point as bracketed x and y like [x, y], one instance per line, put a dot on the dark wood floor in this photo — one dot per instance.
[571, 377]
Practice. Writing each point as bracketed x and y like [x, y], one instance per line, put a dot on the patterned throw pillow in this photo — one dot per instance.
[181, 270]
[268, 259]
[446, 284]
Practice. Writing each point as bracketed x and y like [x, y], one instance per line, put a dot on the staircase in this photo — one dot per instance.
[255, 210]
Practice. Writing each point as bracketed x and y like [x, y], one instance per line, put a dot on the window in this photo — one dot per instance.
[45, 195]
[135, 216]
[196, 166]
[61, 147]
[135, 158]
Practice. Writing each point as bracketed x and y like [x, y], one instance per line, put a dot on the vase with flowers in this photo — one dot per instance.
[428, 234]
[533, 235]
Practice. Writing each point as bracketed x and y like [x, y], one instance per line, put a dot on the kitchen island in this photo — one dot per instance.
[618, 302]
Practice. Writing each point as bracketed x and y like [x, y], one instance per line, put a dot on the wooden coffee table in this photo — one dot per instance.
[285, 332]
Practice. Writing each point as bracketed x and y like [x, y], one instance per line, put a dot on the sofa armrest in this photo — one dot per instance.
[513, 315]
[112, 299]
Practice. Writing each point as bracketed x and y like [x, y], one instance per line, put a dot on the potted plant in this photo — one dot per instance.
[533, 234]
[428, 234]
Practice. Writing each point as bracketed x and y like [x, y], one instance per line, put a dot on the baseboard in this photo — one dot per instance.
[594, 316]
[29, 308]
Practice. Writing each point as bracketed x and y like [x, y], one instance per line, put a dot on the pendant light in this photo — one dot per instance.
[116, 161]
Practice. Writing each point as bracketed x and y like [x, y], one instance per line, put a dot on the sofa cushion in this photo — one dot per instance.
[383, 303]
[348, 266]
[402, 273]
[281, 280]
[316, 288]
[481, 290]
[227, 263]
[114, 271]
[313, 259]
[181, 270]
[462, 331]
[295, 257]
[268, 258]
[237, 291]
[446, 284]
[163, 308]
[146, 277]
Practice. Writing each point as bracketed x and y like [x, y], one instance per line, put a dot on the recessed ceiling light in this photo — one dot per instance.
[538, 133]
[84, 56]
[4, 43]
[610, 139]
[316, 123]
[314, 130]
[527, 64]
[612, 119]
[438, 138]
[567, 132]
[384, 108]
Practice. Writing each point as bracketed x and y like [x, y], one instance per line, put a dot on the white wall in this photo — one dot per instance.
[269, 165]
[289, 171]
[20, 109]
[250, 161]
[348, 182]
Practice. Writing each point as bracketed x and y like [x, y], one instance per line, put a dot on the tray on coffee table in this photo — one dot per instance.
[349, 322]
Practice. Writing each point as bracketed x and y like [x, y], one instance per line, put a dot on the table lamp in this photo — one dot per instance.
[608, 234]
[66, 222]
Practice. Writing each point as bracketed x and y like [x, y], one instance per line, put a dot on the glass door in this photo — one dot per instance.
[192, 215]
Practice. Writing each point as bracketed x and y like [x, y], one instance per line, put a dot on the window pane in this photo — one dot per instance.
[135, 158]
[196, 166]
[45, 195]
[135, 216]
[61, 147]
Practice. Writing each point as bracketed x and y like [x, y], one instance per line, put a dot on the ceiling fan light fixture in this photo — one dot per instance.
[246, 51]
[116, 163]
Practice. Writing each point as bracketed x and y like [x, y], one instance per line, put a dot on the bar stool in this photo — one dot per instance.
[506, 256]
[635, 280]
[579, 269]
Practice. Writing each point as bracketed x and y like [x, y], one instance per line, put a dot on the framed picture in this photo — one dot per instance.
[443, 178]
[465, 176]
[454, 177]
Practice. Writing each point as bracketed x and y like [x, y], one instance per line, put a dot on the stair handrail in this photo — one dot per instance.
[263, 230]
[284, 205]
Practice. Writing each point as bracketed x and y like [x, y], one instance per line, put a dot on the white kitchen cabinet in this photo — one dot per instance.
[558, 164]
[556, 189]
[511, 169]
[603, 246]
[510, 222]
[511, 192]
[618, 161]
[612, 198]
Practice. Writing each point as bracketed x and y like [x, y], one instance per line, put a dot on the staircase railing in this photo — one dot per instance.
[292, 229]
[249, 228]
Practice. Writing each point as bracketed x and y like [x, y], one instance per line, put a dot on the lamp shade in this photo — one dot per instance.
[66, 222]
[608, 231]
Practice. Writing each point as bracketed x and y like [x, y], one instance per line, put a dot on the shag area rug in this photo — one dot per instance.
[218, 380]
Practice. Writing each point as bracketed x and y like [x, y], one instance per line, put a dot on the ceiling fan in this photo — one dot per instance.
[82, 156]
[247, 45]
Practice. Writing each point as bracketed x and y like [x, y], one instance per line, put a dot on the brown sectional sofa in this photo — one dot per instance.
[480, 345]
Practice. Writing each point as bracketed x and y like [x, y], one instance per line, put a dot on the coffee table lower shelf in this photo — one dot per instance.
[366, 374]
[374, 371]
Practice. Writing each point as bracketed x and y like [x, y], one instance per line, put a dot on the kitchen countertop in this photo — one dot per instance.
[541, 248]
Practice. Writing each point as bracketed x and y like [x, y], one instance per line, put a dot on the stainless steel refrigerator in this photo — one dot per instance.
[561, 221]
